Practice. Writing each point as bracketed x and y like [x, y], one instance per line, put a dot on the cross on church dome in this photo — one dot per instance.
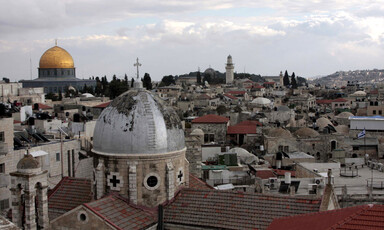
[115, 182]
[180, 176]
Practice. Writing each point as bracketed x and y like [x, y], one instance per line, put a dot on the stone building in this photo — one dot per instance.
[29, 194]
[10, 92]
[58, 158]
[139, 149]
[56, 72]
[213, 126]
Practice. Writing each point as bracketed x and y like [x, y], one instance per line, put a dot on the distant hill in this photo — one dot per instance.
[341, 78]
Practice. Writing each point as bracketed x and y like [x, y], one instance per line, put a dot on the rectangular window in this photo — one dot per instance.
[211, 137]
[2, 168]
[2, 137]
[355, 147]
[205, 137]
[4, 204]
[57, 156]
[281, 148]
[286, 149]
[374, 111]
[313, 146]
[380, 112]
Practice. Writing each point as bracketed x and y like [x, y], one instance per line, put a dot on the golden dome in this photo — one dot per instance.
[56, 57]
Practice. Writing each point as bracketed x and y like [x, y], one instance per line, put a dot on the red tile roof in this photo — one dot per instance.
[340, 100]
[118, 212]
[374, 91]
[203, 96]
[196, 183]
[241, 129]
[43, 106]
[211, 118]
[230, 96]
[323, 101]
[269, 83]
[103, 105]
[245, 127]
[68, 194]
[237, 92]
[281, 172]
[265, 174]
[358, 217]
[232, 209]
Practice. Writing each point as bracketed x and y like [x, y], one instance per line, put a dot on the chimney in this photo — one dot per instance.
[287, 178]
[329, 176]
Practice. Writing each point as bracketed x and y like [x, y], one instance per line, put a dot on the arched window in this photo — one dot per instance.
[333, 145]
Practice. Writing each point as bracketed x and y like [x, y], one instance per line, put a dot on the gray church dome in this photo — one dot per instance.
[138, 122]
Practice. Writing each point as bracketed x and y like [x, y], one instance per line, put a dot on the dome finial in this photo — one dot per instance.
[138, 83]
[56, 42]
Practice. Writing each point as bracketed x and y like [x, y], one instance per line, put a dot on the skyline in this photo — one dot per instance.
[310, 38]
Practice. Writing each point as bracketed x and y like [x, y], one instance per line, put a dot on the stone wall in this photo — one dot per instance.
[71, 220]
[302, 172]
[85, 168]
[219, 130]
[47, 162]
[132, 171]
[193, 154]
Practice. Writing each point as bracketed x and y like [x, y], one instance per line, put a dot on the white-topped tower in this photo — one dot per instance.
[229, 70]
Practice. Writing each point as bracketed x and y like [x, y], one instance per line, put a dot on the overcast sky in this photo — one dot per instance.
[104, 37]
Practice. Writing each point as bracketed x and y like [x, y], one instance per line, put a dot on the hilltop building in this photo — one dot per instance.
[56, 72]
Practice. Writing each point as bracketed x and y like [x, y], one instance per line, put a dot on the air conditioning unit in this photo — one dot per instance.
[380, 167]
[319, 181]
[273, 183]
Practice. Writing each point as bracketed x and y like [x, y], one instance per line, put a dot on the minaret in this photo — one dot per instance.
[229, 70]
[281, 81]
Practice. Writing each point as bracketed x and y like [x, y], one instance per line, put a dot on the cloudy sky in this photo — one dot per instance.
[308, 37]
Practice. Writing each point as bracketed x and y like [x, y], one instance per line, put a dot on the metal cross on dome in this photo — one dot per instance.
[137, 64]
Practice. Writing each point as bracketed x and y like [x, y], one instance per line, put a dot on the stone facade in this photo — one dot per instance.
[31, 184]
[72, 220]
[218, 130]
[194, 154]
[50, 162]
[146, 179]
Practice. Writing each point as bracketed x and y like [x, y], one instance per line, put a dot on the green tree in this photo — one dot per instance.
[286, 79]
[147, 81]
[293, 81]
[60, 95]
[132, 82]
[221, 109]
[168, 80]
[198, 77]
[237, 109]
[51, 96]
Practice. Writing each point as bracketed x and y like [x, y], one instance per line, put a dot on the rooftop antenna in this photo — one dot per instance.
[56, 42]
